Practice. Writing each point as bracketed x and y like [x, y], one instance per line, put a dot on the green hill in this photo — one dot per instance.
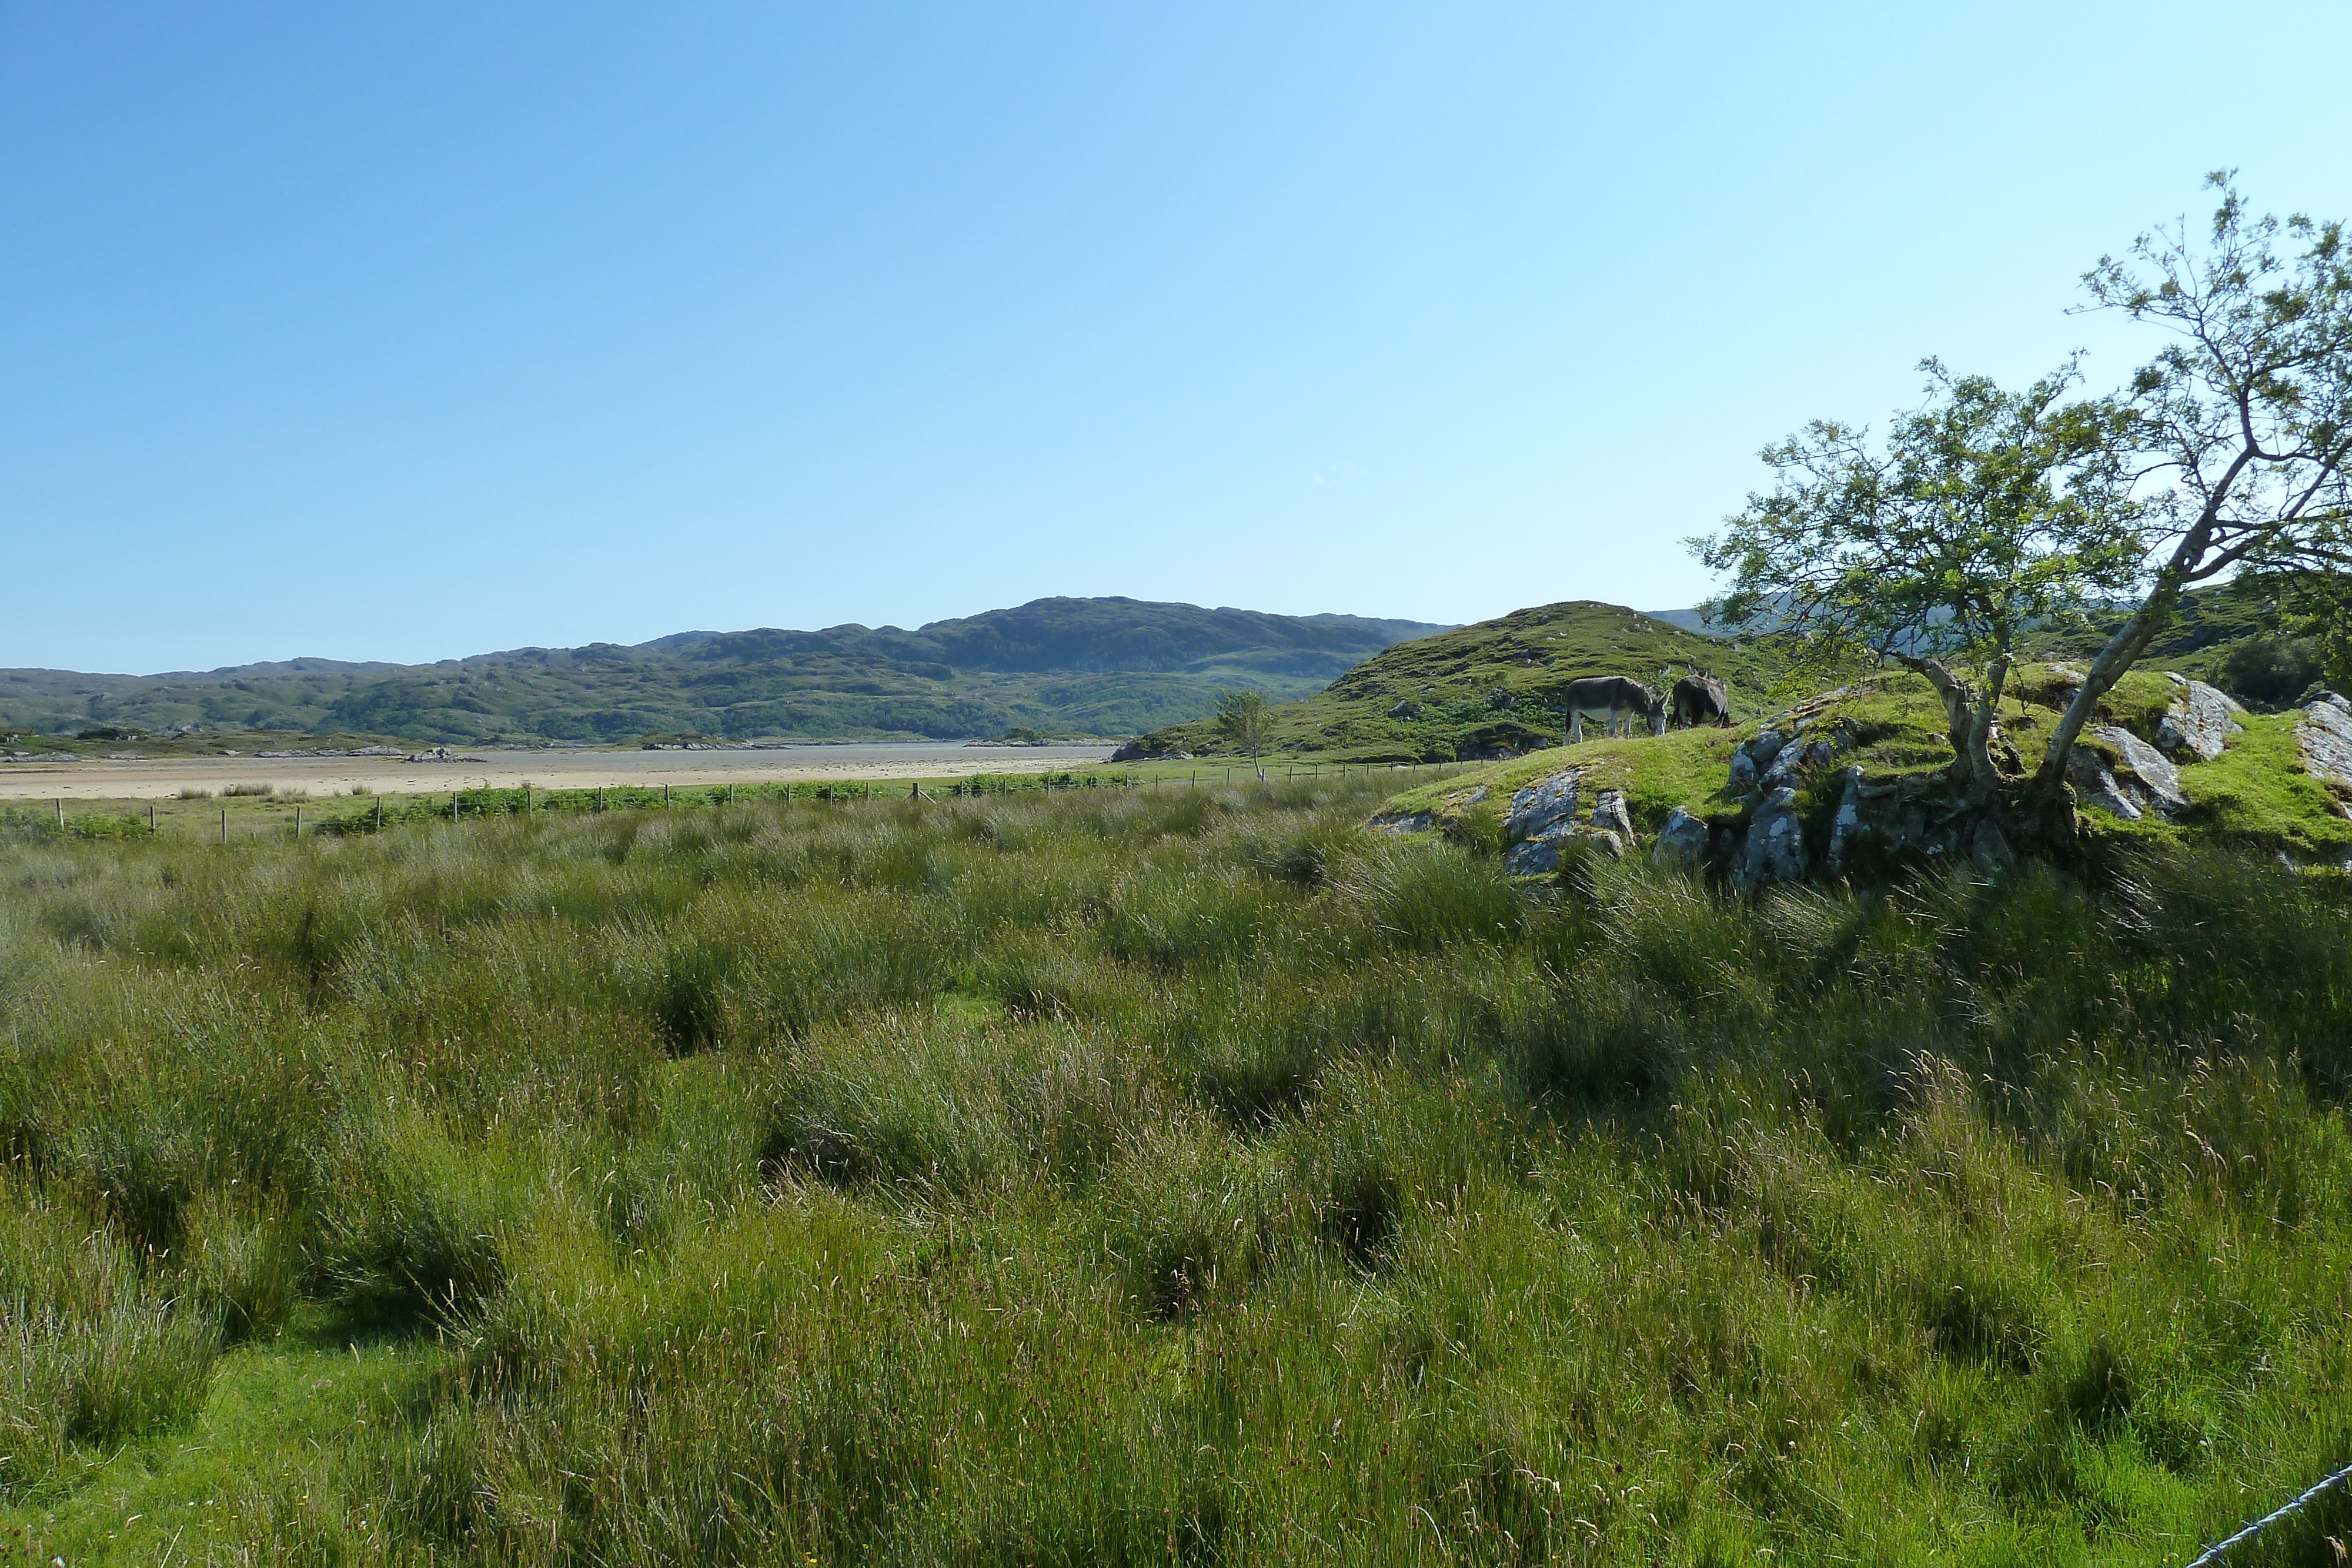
[1479, 691]
[1089, 666]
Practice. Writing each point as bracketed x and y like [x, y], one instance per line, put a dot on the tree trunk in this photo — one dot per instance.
[1984, 780]
[2115, 661]
[1966, 720]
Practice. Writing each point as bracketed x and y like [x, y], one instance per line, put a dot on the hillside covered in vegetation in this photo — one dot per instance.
[1477, 690]
[1085, 666]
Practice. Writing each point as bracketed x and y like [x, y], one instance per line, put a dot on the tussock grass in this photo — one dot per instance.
[1130, 1176]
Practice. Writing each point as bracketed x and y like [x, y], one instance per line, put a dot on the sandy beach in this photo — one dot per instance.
[154, 779]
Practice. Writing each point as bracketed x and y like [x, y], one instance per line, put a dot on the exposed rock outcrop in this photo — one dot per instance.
[1541, 807]
[1684, 841]
[1790, 745]
[2142, 780]
[1609, 815]
[2322, 733]
[2199, 722]
[1541, 828]
[1775, 850]
[1402, 823]
[1912, 817]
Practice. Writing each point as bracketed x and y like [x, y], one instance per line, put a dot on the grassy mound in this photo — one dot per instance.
[1448, 684]
[2253, 796]
[1162, 1174]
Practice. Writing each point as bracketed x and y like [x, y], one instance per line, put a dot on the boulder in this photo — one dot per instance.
[2323, 733]
[2199, 722]
[1541, 806]
[1501, 697]
[1776, 844]
[1402, 823]
[1684, 841]
[1404, 708]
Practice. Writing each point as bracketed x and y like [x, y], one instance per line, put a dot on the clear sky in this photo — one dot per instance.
[410, 331]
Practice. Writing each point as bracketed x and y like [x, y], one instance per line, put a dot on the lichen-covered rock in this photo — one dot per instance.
[2142, 781]
[1608, 815]
[1908, 820]
[1684, 841]
[1846, 828]
[1776, 844]
[2145, 769]
[1404, 708]
[1795, 760]
[1539, 857]
[1402, 823]
[1533, 857]
[1751, 757]
[2199, 722]
[2322, 733]
[1537, 808]
[2095, 785]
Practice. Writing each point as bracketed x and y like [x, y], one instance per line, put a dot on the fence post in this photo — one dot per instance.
[379, 813]
[224, 824]
[61, 811]
[150, 818]
[297, 821]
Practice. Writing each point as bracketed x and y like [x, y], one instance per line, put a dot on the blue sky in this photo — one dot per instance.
[410, 331]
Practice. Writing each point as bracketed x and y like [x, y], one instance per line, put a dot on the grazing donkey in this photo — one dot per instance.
[1614, 698]
[1701, 699]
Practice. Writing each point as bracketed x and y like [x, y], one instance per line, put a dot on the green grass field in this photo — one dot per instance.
[1154, 1173]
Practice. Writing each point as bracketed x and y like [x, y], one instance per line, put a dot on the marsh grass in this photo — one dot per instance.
[1122, 1176]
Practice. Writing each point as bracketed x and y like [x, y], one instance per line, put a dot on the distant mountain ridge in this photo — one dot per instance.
[1100, 666]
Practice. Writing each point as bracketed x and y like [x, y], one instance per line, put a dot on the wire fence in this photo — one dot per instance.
[2213, 1554]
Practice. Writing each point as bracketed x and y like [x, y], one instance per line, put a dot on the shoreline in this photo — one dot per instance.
[163, 777]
